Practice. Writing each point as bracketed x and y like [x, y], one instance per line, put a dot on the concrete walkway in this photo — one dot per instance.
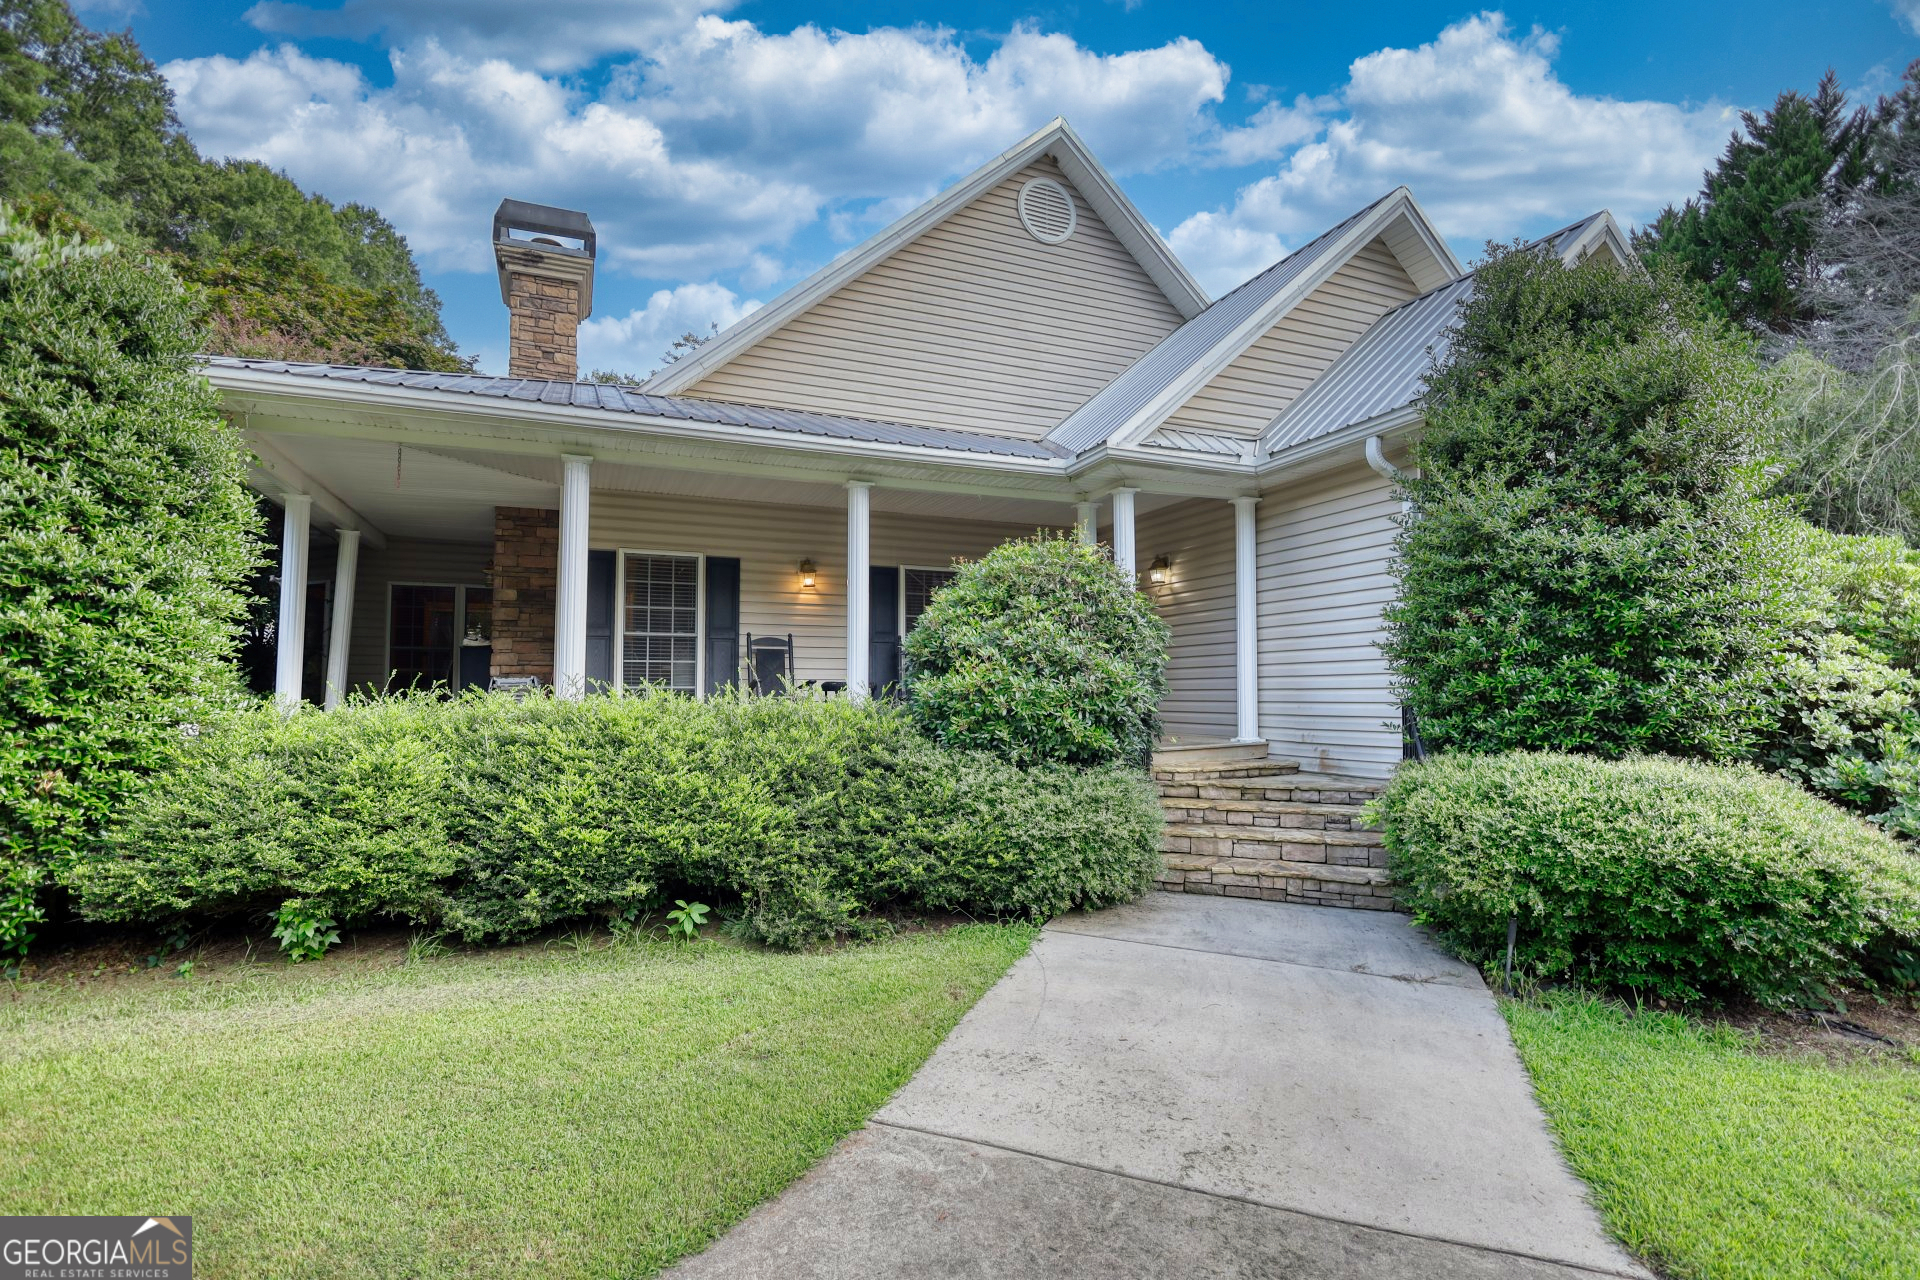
[1198, 1086]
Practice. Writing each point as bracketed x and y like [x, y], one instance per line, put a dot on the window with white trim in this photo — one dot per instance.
[917, 588]
[660, 622]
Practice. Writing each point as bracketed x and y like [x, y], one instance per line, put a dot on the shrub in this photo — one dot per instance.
[1040, 651]
[125, 533]
[1846, 691]
[496, 817]
[1582, 571]
[1666, 877]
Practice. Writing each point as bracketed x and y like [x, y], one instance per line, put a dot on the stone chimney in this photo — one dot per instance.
[545, 256]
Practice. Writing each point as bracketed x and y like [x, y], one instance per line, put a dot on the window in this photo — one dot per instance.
[421, 640]
[660, 622]
[917, 590]
[438, 636]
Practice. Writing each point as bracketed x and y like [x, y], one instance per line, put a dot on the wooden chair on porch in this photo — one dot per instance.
[769, 663]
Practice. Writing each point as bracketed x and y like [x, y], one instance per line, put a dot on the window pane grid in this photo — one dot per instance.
[921, 584]
[659, 639]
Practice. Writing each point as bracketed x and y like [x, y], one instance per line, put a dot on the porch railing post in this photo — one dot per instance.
[1246, 621]
[859, 622]
[570, 593]
[290, 630]
[340, 635]
[1123, 557]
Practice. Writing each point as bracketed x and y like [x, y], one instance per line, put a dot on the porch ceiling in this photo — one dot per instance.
[412, 491]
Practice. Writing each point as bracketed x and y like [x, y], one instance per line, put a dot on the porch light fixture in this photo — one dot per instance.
[1158, 571]
[806, 574]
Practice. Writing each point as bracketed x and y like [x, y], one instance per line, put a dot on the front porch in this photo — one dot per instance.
[405, 566]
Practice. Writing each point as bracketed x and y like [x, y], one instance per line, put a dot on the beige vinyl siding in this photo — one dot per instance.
[1197, 604]
[1325, 548]
[974, 325]
[771, 541]
[1242, 399]
[453, 564]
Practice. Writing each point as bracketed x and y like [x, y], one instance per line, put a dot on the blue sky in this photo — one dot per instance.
[724, 148]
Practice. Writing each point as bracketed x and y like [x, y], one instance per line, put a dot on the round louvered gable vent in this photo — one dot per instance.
[1046, 211]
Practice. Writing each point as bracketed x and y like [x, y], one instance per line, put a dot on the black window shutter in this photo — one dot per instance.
[883, 618]
[723, 622]
[600, 620]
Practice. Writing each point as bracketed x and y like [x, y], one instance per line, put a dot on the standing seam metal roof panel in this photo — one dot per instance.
[615, 399]
[1385, 370]
[1094, 422]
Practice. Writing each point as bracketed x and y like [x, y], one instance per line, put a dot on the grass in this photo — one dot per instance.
[569, 1111]
[1712, 1160]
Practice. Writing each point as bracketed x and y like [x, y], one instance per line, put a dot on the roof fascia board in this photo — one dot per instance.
[1431, 238]
[1156, 411]
[1057, 139]
[1605, 229]
[1394, 424]
[412, 417]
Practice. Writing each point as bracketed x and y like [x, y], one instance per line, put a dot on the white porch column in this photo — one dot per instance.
[570, 594]
[1123, 531]
[859, 620]
[1246, 621]
[290, 631]
[1086, 521]
[346, 562]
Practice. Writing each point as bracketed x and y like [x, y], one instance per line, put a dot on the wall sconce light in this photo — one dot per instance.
[806, 574]
[1159, 570]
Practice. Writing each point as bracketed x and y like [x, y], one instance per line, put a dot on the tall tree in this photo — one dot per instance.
[1749, 236]
[87, 123]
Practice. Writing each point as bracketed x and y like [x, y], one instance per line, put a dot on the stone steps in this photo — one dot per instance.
[1261, 828]
[1249, 768]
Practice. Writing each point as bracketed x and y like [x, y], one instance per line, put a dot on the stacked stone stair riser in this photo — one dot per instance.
[1263, 829]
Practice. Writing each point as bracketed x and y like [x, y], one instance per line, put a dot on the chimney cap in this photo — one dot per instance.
[544, 219]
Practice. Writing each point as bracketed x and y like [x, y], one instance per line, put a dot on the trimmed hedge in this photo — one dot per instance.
[1666, 877]
[496, 817]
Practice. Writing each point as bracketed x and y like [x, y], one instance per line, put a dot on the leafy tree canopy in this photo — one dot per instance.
[87, 128]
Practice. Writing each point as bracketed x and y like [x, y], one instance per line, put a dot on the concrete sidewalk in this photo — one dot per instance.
[1197, 1086]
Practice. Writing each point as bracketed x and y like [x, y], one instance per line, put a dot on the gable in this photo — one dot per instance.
[1243, 398]
[973, 324]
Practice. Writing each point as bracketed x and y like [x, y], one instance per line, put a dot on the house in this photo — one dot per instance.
[1021, 352]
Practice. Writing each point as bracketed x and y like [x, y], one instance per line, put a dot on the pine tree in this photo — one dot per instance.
[1749, 236]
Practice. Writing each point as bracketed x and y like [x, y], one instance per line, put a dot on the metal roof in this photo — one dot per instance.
[1095, 421]
[632, 401]
[1183, 441]
[1387, 368]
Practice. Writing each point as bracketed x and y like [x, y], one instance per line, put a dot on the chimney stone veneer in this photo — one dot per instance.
[526, 562]
[545, 259]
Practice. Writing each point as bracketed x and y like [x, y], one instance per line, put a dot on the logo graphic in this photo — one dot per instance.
[119, 1248]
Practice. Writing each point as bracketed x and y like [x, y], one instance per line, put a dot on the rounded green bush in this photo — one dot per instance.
[496, 817]
[1662, 876]
[1040, 651]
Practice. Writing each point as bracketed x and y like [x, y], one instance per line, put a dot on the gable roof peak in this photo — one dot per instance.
[1056, 140]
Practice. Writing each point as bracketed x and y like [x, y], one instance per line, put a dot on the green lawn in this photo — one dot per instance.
[545, 1112]
[1714, 1161]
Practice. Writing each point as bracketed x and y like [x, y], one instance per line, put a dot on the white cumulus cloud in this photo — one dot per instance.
[706, 155]
[634, 343]
[1480, 127]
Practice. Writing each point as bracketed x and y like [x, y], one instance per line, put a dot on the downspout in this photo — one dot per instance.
[1377, 459]
[1412, 746]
